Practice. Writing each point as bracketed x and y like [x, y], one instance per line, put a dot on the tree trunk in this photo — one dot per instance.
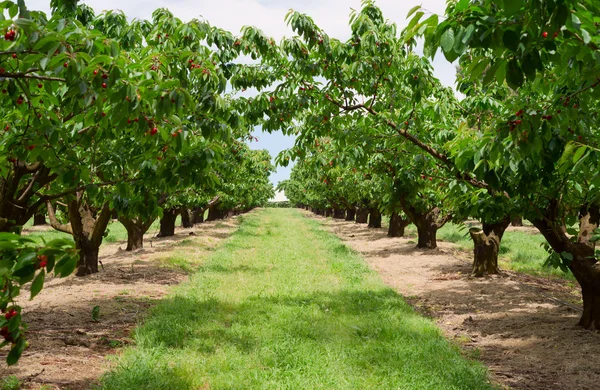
[350, 214]
[397, 225]
[87, 225]
[362, 215]
[486, 246]
[230, 213]
[584, 265]
[375, 218]
[198, 216]
[187, 220]
[167, 223]
[517, 221]
[339, 214]
[39, 219]
[88, 256]
[427, 223]
[328, 212]
[136, 228]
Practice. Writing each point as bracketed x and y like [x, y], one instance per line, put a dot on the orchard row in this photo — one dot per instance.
[101, 117]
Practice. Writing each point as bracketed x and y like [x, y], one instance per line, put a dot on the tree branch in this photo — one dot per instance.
[65, 228]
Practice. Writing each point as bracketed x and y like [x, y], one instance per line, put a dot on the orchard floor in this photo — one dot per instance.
[68, 349]
[512, 323]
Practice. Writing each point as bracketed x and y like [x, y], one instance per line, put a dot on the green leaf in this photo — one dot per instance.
[514, 74]
[15, 352]
[447, 40]
[413, 10]
[579, 153]
[37, 284]
[510, 39]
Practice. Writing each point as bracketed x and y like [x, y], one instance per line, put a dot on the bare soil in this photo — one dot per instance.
[68, 349]
[513, 323]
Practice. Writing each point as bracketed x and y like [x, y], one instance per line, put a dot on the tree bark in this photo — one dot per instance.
[167, 223]
[427, 223]
[397, 225]
[584, 264]
[39, 219]
[362, 215]
[328, 212]
[187, 220]
[350, 214]
[339, 214]
[198, 216]
[375, 218]
[517, 221]
[136, 228]
[87, 225]
[486, 246]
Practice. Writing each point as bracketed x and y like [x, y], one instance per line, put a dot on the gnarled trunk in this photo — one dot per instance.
[427, 223]
[375, 218]
[350, 214]
[136, 228]
[397, 225]
[167, 223]
[584, 265]
[362, 215]
[187, 220]
[39, 219]
[486, 246]
[87, 225]
[339, 214]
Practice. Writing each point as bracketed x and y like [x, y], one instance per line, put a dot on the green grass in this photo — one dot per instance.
[285, 305]
[11, 382]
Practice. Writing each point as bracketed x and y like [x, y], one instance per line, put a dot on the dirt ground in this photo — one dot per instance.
[512, 323]
[68, 349]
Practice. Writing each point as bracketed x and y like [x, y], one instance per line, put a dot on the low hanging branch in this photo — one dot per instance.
[21, 75]
[415, 141]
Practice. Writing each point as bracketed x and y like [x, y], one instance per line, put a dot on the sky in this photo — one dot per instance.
[268, 15]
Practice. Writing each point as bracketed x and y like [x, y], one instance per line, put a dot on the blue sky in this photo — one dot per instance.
[268, 15]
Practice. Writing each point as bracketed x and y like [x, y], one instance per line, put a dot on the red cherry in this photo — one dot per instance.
[14, 55]
[2, 70]
[40, 86]
[545, 34]
[555, 35]
[104, 76]
[104, 85]
[154, 131]
[128, 121]
[20, 101]
[136, 120]
[66, 64]
[423, 177]
[10, 314]
[103, 114]
[43, 263]
[31, 147]
[95, 72]
[174, 134]
[406, 123]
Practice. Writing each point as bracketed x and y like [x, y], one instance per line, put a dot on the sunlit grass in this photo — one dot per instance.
[285, 305]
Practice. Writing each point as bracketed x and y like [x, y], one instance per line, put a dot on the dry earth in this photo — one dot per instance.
[513, 323]
[68, 350]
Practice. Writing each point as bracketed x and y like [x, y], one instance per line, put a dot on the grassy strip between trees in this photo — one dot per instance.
[285, 305]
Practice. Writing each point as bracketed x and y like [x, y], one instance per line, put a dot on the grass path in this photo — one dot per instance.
[285, 305]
